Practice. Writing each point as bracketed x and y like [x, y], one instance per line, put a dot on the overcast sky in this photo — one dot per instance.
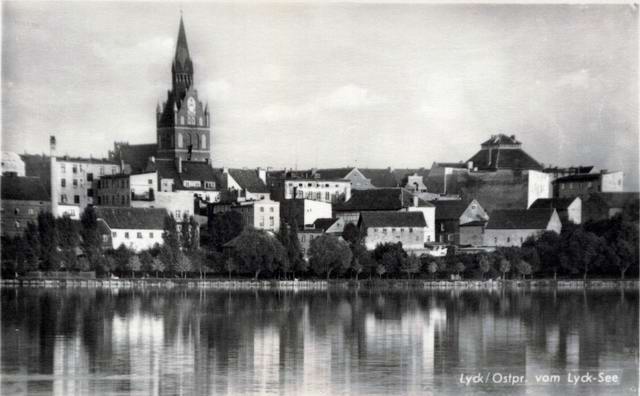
[313, 85]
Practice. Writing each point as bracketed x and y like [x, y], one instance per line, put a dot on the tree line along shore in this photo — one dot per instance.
[225, 249]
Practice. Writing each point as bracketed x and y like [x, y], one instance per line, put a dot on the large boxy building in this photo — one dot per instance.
[393, 227]
[22, 199]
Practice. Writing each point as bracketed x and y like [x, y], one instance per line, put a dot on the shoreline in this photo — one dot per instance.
[317, 284]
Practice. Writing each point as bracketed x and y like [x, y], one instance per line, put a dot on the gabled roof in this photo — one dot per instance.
[520, 219]
[615, 199]
[382, 178]
[191, 171]
[323, 223]
[501, 139]
[248, 179]
[450, 209]
[556, 203]
[333, 173]
[578, 178]
[135, 155]
[132, 218]
[23, 189]
[392, 219]
[378, 199]
[504, 158]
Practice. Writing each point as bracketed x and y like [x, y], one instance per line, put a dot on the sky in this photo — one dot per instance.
[330, 84]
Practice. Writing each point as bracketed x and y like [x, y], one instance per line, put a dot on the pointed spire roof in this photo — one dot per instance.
[182, 49]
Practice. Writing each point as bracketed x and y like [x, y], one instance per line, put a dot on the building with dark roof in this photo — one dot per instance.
[583, 184]
[605, 205]
[304, 212]
[452, 214]
[513, 227]
[503, 152]
[392, 227]
[22, 199]
[136, 228]
[569, 209]
[250, 183]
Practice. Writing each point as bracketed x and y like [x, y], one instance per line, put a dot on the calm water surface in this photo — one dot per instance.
[78, 341]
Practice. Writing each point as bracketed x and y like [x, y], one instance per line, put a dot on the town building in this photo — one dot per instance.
[569, 209]
[325, 190]
[472, 233]
[451, 215]
[12, 164]
[249, 184]
[393, 227]
[583, 184]
[136, 228]
[22, 199]
[333, 226]
[386, 199]
[304, 212]
[500, 176]
[513, 227]
[72, 188]
[605, 205]
[261, 214]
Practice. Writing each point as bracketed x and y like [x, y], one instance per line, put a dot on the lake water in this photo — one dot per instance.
[88, 341]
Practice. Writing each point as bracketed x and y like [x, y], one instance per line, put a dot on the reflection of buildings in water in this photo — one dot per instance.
[317, 358]
[70, 367]
[266, 358]
[407, 344]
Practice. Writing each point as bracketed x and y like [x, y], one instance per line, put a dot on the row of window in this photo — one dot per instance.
[115, 183]
[328, 197]
[384, 230]
[495, 240]
[16, 211]
[64, 199]
[270, 209]
[126, 235]
[271, 221]
[113, 200]
[77, 168]
[196, 142]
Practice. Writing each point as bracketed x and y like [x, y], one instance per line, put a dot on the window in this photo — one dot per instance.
[384, 230]
[89, 177]
[114, 234]
[410, 229]
[495, 240]
[76, 199]
[521, 240]
[261, 221]
[204, 141]
[450, 237]
[16, 211]
[327, 196]
[402, 230]
[308, 184]
[271, 221]
[271, 209]
[393, 230]
[150, 181]
[180, 143]
[375, 230]
[318, 196]
[262, 209]
[302, 238]
[90, 192]
[139, 235]
[126, 235]
[63, 198]
[473, 206]
[63, 168]
[75, 183]
[428, 238]
[74, 169]
[508, 239]
[63, 182]
[151, 235]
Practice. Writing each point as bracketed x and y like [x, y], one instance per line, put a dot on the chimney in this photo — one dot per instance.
[470, 165]
[262, 174]
[415, 201]
[152, 159]
[179, 164]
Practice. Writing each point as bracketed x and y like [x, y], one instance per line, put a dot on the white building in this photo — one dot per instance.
[569, 209]
[513, 227]
[135, 228]
[250, 184]
[72, 183]
[393, 227]
[318, 189]
[304, 211]
[12, 164]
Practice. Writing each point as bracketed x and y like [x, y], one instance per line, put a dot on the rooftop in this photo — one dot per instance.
[248, 179]
[379, 199]
[132, 218]
[578, 178]
[501, 139]
[449, 209]
[23, 189]
[392, 219]
[520, 219]
[556, 203]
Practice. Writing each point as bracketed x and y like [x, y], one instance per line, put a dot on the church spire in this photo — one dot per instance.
[182, 68]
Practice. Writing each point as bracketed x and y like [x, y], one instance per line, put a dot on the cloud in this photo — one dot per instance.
[576, 79]
[349, 97]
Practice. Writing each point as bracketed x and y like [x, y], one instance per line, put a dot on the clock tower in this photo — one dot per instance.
[183, 122]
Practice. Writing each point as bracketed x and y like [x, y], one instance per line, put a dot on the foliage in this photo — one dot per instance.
[183, 264]
[391, 255]
[484, 265]
[351, 234]
[256, 251]
[223, 227]
[328, 254]
[523, 268]
[48, 237]
[505, 267]
[411, 265]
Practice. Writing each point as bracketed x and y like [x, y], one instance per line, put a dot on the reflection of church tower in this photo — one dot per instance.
[183, 122]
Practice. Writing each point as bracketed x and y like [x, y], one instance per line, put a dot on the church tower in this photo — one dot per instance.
[183, 122]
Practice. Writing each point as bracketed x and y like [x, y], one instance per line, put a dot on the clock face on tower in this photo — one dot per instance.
[191, 105]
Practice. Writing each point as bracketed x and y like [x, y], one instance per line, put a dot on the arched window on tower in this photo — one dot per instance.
[196, 141]
[203, 142]
[179, 140]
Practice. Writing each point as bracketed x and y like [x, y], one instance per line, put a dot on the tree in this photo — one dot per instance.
[621, 241]
[158, 265]
[579, 250]
[328, 254]
[189, 234]
[548, 248]
[351, 234]
[91, 242]
[523, 268]
[296, 259]
[230, 266]
[433, 268]
[31, 247]
[223, 227]
[183, 264]
[146, 261]
[256, 251]
[411, 265]
[170, 250]
[48, 238]
[459, 267]
[121, 257]
[381, 270]
[68, 241]
[505, 267]
[484, 265]
[395, 256]
[134, 264]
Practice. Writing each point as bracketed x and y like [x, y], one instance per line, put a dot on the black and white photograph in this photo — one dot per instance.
[319, 198]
